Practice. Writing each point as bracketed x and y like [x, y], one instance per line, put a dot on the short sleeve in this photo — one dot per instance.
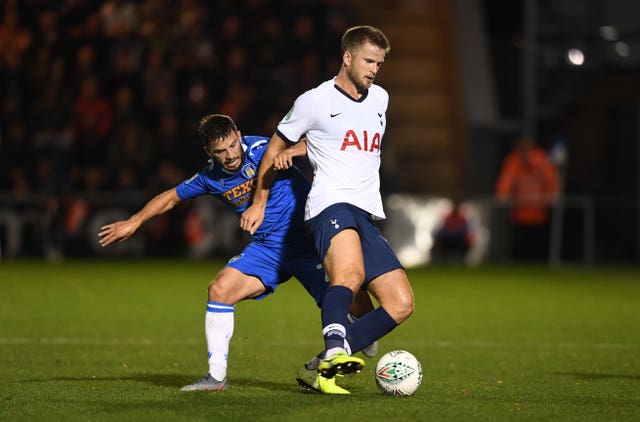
[298, 121]
[194, 186]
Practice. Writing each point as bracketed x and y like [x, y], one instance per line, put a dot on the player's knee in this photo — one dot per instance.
[217, 292]
[402, 308]
[407, 308]
[351, 278]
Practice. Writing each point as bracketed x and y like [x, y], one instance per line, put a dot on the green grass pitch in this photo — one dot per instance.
[114, 340]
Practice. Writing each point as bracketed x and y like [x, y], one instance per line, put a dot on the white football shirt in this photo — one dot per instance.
[344, 136]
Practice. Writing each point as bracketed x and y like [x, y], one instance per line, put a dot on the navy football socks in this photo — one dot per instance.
[335, 307]
[369, 328]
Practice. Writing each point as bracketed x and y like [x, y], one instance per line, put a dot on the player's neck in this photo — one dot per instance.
[345, 84]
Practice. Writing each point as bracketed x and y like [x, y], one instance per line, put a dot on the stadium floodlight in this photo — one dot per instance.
[575, 57]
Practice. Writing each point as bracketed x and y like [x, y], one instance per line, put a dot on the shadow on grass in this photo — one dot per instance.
[175, 381]
[589, 376]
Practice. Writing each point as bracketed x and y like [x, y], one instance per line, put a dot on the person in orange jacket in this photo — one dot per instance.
[528, 182]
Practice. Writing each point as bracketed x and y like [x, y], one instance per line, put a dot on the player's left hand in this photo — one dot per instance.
[251, 219]
[283, 160]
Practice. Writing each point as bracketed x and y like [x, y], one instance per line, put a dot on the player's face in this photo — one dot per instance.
[227, 151]
[363, 65]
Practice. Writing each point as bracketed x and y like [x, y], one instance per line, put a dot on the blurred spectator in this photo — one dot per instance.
[119, 17]
[167, 143]
[304, 36]
[528, 183]
[157, 85]
[85, 65]
[45, 73]
[14, 158]
[52, 136]
[128, 156]
[125, 106]
[452, 237]
[15, 41]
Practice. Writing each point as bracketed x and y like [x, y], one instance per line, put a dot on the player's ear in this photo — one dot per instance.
[346, 58]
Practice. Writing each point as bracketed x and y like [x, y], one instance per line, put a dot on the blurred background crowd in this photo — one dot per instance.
[102, 98]
[103, 95]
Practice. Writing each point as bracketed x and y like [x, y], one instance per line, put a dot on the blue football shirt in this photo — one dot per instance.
[284, 214]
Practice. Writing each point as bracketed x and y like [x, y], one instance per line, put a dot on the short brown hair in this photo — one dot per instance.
[356, 36]
[215, 126]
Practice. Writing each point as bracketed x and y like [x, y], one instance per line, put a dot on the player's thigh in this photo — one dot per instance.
[231, 286]
[310, 274]
[394, 293]
[344, 262]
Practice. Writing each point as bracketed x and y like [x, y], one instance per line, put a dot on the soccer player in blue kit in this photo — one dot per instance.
[343, 121]
[279, 249]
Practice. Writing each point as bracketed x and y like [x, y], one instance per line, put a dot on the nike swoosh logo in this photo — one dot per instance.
[379, 114]
[336, 114]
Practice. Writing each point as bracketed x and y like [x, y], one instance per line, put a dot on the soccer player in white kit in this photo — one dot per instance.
[343, 120]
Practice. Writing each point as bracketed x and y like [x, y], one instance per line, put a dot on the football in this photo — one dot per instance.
[398, 373]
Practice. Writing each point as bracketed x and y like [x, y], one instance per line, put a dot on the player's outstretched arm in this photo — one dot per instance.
[122, 230]
[284, 160]
[251, 219]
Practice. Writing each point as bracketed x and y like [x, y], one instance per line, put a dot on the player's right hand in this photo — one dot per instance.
[115, 232]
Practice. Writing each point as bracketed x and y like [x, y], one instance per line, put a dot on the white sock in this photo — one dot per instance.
[334, 330]
[347, 347]
[218, 329]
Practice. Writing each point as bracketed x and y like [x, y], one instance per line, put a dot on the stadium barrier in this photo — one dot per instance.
[52, 227]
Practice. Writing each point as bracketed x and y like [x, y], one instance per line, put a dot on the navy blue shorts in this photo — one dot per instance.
[379, 258]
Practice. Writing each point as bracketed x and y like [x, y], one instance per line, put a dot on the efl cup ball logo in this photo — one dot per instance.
[398, 373]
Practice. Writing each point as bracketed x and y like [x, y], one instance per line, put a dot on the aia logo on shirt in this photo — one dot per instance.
[362, 143]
